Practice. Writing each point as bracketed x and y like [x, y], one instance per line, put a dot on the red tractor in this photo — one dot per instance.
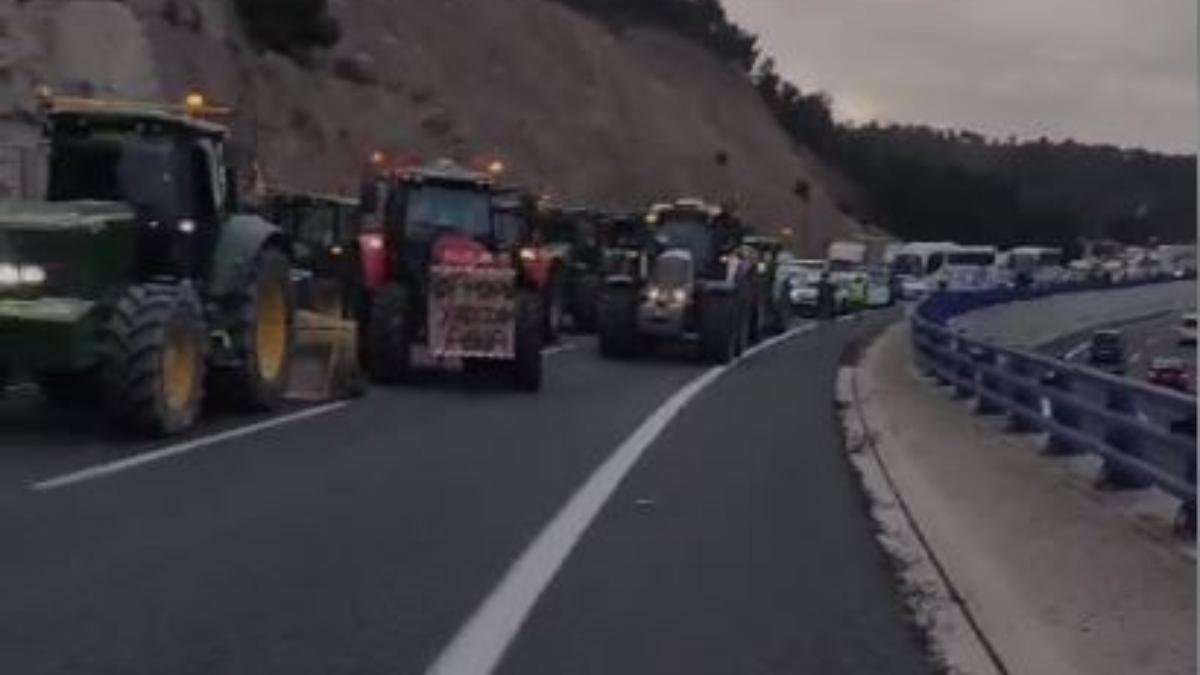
[442, 283]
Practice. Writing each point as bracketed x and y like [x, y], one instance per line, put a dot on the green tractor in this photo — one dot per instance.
[136, 284]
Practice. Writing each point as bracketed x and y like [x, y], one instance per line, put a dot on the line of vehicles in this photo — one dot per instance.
[148, 283]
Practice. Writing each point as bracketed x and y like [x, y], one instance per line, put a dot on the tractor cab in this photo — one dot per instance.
[167, 168]
[708, 233]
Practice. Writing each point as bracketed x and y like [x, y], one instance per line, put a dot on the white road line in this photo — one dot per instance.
[135, 461]
[1077, 350]
[559, 349]
[481, 643]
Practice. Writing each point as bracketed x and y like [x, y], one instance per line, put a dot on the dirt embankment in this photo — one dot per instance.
[584, 114]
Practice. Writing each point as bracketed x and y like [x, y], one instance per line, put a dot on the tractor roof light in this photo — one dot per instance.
[194, 102]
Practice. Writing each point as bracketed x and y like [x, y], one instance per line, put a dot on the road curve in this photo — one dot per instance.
[362, 539]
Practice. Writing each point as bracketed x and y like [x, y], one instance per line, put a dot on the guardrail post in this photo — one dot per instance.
[1060, 412]
[962, 367]
[985, 383]
[1021, 394]
[1125, 441]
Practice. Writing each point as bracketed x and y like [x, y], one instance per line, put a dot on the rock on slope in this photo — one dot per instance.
[585, 114]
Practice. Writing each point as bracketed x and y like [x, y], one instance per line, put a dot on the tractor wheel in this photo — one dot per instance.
[719, 328]
[616, 322]
[526, 367]
[553, 307]
[263, 334]
[155, 347]
[389, 336]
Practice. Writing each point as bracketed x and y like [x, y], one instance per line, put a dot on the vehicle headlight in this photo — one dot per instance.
[10, 275]
[762, 268]
[679, 296]
[528, 254]
[653, 294]
[33, 275]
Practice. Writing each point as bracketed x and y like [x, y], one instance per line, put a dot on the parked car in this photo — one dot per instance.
[1170, 372]
[1186, 329]
[1106, 351]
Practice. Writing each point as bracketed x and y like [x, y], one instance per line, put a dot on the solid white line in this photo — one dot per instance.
[135, 461]
[1077, 350]
[559, 349]
[481, 643]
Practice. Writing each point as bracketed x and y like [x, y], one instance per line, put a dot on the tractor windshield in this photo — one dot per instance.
[439, 209]
[148, 173]
[690, 233]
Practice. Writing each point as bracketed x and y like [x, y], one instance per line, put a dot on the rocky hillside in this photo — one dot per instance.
[585, 114]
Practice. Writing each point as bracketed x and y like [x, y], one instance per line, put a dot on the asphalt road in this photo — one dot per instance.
[1146, 338]
[388, 535]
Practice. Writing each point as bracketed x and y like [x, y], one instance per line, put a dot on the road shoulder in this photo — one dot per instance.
[1056, 579]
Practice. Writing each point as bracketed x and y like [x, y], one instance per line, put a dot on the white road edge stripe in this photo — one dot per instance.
[483, 640]
[135, 461]
[559, 349]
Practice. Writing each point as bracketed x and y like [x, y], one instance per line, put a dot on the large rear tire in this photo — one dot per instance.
[583, 307]
[389, 336]
[526, 368]
[616, 322]
[719, 328]
[155, 346]
[263, 337]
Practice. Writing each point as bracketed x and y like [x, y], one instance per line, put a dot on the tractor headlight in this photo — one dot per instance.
[21, 275]
[31, 275]
[10, 275]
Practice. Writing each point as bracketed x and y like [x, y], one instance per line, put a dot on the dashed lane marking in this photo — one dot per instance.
[136, 461]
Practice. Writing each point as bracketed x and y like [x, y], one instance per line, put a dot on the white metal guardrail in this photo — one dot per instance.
[1146, 435]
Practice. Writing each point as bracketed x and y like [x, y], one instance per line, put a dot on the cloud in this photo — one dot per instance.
[1116, 71]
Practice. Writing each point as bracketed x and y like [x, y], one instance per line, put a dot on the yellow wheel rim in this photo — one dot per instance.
[180, 364]
[271, 330]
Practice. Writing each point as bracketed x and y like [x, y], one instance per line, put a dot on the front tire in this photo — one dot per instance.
[526, 368]
[155, 347]
[263, 337]
[719, 328]
[389, 336]
[616, 322]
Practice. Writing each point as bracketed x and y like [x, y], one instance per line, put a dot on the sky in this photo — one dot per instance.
[1108, 71]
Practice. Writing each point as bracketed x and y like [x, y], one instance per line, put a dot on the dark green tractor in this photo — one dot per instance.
[688, 282]
[136, 284]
